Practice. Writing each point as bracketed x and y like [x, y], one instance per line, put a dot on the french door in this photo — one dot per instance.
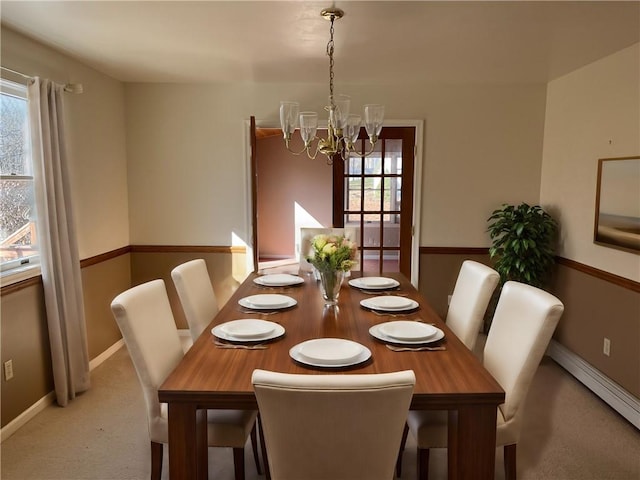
[374, 194]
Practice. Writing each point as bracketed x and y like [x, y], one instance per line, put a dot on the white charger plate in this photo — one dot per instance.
[374, 283]
[376, 333]
[408, 330]
[389, 303]
[267, 301]
[235, 331]
[278, 280]
[330, 352]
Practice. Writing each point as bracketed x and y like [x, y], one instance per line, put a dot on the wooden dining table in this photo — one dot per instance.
[209, 377]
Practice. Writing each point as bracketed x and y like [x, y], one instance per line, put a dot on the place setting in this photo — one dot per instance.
[390, 305]
[278, 281]
[376, 285]
[330, 353]
[246, 333]
[408, 335]
[266, 303]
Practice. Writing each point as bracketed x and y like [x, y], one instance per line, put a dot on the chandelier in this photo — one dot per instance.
[342, 127]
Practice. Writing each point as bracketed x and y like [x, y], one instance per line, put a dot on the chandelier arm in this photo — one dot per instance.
[351, 149]
[304, 149]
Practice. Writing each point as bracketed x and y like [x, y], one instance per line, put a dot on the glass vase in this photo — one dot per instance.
[330, 283]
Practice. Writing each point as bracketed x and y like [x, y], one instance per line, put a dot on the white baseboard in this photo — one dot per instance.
[13, 426]
[106, 354]
[615, 396]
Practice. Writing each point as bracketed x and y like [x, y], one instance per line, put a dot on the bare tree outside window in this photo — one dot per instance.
[18, 241]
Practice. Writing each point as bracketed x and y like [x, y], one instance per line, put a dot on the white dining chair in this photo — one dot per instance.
[473, 290]
[196, 295]
[338, 427]
[523, 324]
[474, 287]
[144, 316]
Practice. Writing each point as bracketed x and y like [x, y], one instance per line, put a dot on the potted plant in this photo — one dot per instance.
[523, 243]
[522, 247]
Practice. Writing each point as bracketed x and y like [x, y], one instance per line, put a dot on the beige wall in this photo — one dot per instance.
[592, 113]
[188, 167]
[25, 340]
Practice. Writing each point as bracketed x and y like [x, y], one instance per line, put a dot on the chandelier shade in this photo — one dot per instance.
[343, 127]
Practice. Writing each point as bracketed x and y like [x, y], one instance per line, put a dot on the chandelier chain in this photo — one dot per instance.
[330, 53]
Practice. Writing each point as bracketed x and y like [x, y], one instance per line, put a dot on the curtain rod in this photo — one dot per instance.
[68, 87]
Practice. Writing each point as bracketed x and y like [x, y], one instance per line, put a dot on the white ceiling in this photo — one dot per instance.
[376, 41]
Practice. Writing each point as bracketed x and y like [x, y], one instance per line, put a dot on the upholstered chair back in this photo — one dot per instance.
[471, 295]
[144, 316]
[522, 326]
[196, 294]
[339, 427]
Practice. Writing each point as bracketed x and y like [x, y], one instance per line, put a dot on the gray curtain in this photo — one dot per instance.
[57, 240]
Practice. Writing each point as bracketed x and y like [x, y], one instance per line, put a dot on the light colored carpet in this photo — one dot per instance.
[569, 434]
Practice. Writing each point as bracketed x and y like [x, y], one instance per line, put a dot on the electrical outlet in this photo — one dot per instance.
[8, 370]
[449, 299]
[606, 346]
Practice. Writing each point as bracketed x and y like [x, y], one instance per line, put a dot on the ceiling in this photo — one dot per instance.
[375, 42]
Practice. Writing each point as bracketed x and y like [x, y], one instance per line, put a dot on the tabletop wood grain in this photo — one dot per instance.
[212, 377]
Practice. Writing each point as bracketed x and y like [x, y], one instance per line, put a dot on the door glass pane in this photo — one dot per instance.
[393, 156]
[372, 196]
[388, 203]
[373, 163]
[391, 235]
[353, 194]
[353, 166]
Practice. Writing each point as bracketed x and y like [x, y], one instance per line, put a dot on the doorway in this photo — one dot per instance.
[376, 194]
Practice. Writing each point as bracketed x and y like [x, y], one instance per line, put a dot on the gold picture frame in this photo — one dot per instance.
[617, 213]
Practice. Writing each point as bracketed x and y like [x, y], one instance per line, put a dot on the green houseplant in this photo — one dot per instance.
[523, 243]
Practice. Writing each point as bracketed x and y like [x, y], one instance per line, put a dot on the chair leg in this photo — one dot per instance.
[254, 448]
[510, 462]
[156, 460]
[423, 464]
[263, 446]
[403, 442]
[238, 463]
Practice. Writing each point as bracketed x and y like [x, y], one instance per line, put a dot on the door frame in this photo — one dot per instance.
[250, 192]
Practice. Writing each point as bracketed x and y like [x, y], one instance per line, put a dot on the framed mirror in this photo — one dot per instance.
[617, 219]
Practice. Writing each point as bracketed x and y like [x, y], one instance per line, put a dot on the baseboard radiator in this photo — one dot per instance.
[611, 393]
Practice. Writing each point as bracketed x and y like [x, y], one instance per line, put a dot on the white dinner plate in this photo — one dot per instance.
[408, 330]
[330, 352]
[389, 303]
[240, 330]
[248, 328]
[278, 280]
[375, 332]
[268, 301]
[374, 283]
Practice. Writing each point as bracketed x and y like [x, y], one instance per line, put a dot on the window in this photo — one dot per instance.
[18, 237]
